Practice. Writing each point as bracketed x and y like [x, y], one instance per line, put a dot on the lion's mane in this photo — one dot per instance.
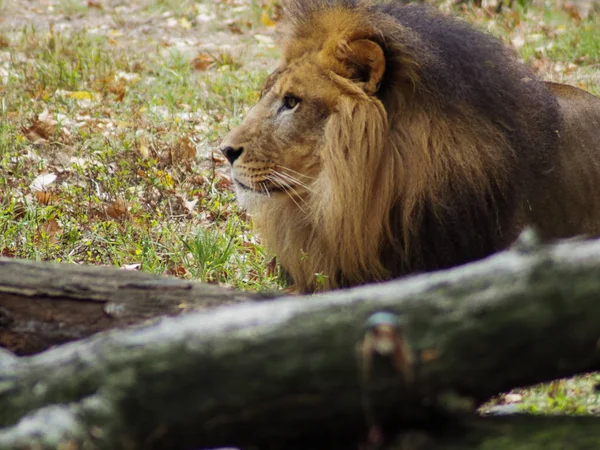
[432, 171]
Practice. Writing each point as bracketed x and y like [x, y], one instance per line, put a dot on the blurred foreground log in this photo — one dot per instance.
[44, 304]
[287, 375]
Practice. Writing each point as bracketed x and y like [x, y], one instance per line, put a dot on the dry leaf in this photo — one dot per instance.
[45, 197]
[118, 88]
[251, 247]
[202, 62]
[185, 24]
[143, 147]
[4, 43]
[95, 4]
[217, 158]
[198, 180]
[266, 20]
[129, 77]
[41, 182]
[234, 28]
[42, 129]
[272, 267]
[183, 152]
[266, 41]
[223, 181]
[49, 229]
[190, 205]
[513, 398]
[578, 9]
[117, 209]
[8, 252]
[80, 95]
[178, 271]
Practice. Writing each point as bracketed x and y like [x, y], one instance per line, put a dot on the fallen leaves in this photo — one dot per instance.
[42, 182]
[222, 181]
[45, 198]
[190, 205]
[111, 162]
[42, 128]
[4, 42]
[178, 271]
[234, 27]
[205, 61]
[40, 188]
[266, 20]
[117, 209]
[49, 231]
[264, 40]
[183, 152]
[202, 61]
[84, 99]
[94, 4]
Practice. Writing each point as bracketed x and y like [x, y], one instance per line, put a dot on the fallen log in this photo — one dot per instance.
[41, 431]
[291, 373]
[44, 304]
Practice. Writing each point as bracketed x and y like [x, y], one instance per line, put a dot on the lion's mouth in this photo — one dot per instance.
[263, 187]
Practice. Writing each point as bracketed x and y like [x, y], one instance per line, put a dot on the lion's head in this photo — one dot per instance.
[373, 153]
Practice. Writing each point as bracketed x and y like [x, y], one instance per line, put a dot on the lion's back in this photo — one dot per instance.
[569, 201]
[469, 66]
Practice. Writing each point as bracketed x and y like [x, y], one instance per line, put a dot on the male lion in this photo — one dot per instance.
[392, 140]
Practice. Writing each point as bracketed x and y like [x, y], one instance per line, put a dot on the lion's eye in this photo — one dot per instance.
[290, 102]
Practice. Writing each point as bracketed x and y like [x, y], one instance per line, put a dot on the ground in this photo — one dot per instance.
[111, 112]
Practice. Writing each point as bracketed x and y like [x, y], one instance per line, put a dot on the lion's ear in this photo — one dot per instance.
[363, 61]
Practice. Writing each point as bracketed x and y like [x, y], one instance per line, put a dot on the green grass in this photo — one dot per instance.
[125, 171]
[567, 42]
[71, 7]
[573, 396]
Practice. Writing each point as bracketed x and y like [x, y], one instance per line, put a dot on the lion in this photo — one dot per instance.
[392, 140]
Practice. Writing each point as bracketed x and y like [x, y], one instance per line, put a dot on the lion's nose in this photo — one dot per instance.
[232, 153]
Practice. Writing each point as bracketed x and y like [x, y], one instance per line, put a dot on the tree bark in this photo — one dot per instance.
[287, 374]
[44, 304]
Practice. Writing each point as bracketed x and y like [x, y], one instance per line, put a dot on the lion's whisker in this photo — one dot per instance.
[289, 190]
[293, 190]
[263, 187]
[295, 172]
[292, 180]
[284, 183]
[286, 189]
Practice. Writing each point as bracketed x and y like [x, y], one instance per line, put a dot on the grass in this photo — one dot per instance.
[572, 396]
[128, 125]
[562, 48]
[120, 131]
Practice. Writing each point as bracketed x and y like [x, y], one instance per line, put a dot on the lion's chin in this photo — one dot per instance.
[247, 198]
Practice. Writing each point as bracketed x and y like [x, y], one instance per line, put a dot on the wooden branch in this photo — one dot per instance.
[520, 432]
[285, 374]
[44, 304]
[42, 430]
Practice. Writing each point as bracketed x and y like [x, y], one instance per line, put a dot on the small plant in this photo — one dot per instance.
[321, 280]
[209, 255]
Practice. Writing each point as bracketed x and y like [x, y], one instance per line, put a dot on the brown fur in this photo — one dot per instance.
[418, 144]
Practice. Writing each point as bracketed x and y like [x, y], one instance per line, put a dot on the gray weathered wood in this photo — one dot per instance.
[44, 304]
[284, 374]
